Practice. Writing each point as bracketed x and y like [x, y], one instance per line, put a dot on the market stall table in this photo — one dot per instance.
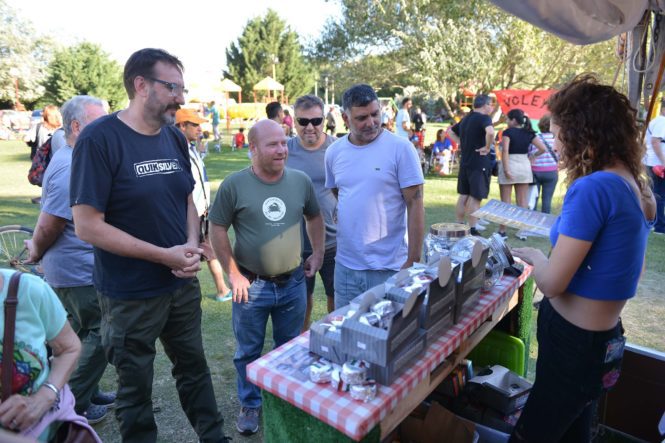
[283, 372]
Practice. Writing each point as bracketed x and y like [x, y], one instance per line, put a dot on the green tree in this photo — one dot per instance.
[85, 69]
[266, 40]
[24, 56]
[445, 44]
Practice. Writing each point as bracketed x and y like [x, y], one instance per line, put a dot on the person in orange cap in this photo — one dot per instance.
[189, 122]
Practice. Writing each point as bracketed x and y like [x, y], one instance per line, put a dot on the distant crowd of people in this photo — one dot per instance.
[127, 218]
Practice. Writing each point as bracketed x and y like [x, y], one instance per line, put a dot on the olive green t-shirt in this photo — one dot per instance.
[266, 218]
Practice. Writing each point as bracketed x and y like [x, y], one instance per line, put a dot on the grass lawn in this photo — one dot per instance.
[643, 316]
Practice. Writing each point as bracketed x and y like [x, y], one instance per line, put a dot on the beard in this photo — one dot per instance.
[160, 112]
[167, 118]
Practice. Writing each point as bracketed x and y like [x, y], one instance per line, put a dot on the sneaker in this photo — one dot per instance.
[248, 421]
[503, 235]
[521, 235]
[95, 413]
[104, 399]
[658, 232]
[475, 232]
[480, 227]
[482, 222]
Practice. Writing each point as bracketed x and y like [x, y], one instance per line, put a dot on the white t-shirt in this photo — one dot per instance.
[201, 192]
[371, 211]
[656, 128]
[402, 116]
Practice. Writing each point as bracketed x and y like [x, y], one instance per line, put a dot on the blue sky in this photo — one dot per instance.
[197, 31]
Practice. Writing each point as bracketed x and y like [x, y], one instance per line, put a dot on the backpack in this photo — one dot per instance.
[39, 163]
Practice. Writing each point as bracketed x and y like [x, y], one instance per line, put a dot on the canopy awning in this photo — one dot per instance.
[228, 86]
[268, 84]
[579, 21]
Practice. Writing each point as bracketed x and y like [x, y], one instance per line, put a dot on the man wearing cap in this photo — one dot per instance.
[189, 122]
[131, 196]
[307, 154]
[265, 204]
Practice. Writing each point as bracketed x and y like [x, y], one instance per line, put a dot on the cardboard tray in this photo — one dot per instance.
[377, 345]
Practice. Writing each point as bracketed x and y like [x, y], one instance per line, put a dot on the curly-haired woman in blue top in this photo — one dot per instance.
[599, 242]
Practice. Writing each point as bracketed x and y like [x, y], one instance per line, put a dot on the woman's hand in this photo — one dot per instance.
[20, 412]
[507, 173]
[532, 256]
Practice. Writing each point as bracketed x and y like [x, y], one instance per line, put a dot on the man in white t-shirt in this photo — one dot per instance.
[403, 119]
[655, 161]
[189, 122]
[377, 179]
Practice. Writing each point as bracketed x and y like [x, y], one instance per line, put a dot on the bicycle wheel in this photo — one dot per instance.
[13, 252]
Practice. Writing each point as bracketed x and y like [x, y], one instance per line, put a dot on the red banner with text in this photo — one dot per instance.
[531, 102]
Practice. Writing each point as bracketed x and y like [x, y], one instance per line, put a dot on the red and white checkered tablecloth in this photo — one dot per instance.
[355, 418]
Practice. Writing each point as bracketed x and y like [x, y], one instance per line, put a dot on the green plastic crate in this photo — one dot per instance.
[499, 348]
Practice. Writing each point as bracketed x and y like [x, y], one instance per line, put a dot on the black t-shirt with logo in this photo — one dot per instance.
[141, 183]
[471, 131]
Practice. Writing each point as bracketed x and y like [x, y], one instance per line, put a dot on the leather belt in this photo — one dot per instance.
[279, 279]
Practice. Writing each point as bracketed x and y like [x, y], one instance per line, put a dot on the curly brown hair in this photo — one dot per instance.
[598, 128]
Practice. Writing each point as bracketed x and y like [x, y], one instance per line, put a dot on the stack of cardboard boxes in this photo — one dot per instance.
[425, 301]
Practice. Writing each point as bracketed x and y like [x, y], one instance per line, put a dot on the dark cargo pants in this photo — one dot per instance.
[85, 317]
[130, 329]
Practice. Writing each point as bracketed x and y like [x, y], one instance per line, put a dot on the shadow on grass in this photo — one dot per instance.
[18, 157]
[18, 211]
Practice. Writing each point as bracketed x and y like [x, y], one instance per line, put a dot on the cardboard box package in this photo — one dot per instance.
[434, 425]
[375, 344]
[387, 374]
[472, 277]
[326, 341]
[439, 293]
[500, 389]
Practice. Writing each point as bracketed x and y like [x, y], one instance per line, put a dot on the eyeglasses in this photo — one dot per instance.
[174, 88]
[306, 121]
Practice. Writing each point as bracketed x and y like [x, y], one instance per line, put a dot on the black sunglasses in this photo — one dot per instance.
[306, 121]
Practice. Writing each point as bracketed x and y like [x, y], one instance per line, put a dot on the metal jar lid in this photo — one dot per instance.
[449, 230]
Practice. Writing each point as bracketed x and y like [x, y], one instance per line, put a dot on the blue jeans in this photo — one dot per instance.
[350, 283]
[658, 187]
[546, 184]
[572, 370]
[285, 304]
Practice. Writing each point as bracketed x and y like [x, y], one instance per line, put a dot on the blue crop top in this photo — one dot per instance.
[603, 209]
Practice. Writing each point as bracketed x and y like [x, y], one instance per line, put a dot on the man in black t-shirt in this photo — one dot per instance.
[131, 196]
[474, 135]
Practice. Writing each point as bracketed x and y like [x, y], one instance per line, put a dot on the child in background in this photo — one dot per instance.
[441, 150]
[239, 140]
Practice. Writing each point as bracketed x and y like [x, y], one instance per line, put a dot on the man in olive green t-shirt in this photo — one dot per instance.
[265, 204]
